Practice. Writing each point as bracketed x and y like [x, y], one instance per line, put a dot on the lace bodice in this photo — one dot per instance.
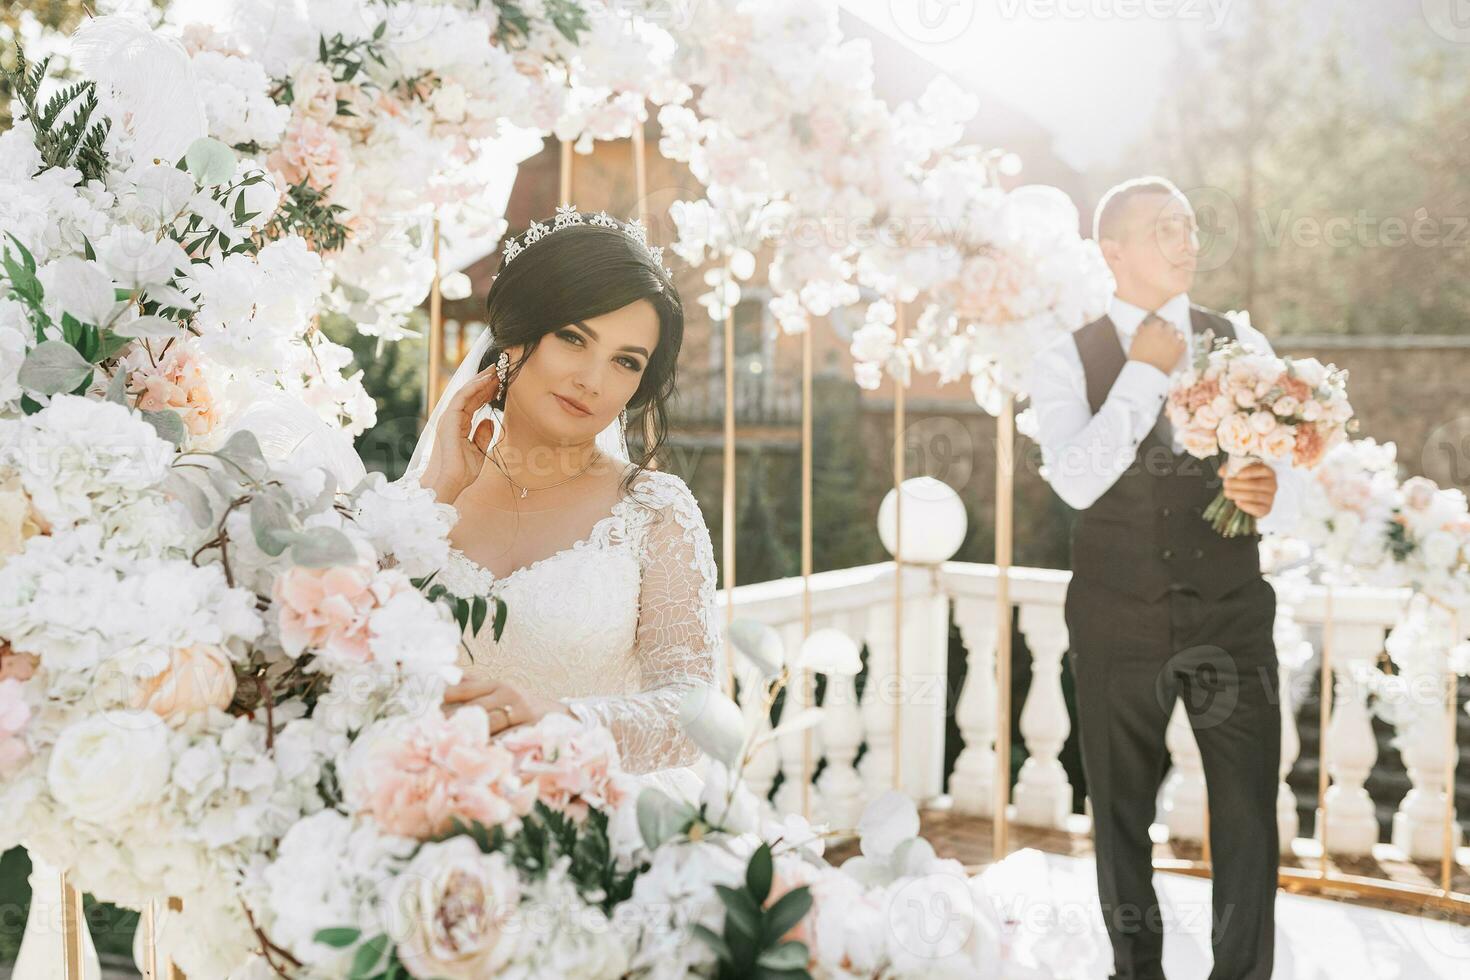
[617, 626]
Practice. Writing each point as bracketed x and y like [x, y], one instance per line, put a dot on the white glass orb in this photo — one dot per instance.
[934, 521]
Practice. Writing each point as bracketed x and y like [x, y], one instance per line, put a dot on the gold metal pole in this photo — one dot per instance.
[172, 972]
[640, 171]
[1005, 448]
[566, 172]
[727, 530]
[808, 686]
[71, 928]
[1324, 718]
[899, 412]
[1447, 859]
[436, 332]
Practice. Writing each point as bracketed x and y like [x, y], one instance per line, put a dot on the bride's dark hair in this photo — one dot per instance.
[584, 271]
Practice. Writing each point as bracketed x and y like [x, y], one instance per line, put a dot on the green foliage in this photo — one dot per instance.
[567, 16]
[751, 944]
[66, 133]
[305, 211]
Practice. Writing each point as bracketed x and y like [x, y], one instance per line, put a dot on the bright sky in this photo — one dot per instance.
[1088, 70]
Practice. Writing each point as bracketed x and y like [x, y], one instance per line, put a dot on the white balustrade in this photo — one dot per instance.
[1182, 799]
[1043, 794]
[972, 784]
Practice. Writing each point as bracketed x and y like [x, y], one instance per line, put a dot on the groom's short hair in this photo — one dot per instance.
[1107, 220]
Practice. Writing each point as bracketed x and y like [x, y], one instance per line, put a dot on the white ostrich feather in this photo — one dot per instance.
[151, 81]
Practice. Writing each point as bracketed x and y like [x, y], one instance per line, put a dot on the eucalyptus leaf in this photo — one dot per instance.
[168, 425]
[53, 367]
[117, 388]
[323, 547]
[191, 495]
[661, 817]
[210, 162]
[243, 449]
[270, 522]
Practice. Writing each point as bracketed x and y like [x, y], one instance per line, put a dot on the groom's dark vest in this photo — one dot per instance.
[1147, 534]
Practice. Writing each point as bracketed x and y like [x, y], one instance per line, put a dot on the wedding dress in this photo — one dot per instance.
[618, 626]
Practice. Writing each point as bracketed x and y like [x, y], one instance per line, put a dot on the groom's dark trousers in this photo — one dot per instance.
[1161, 607]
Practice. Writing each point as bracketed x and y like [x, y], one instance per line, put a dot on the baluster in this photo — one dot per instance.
[1183, 800]
[799, 696]
[972, 784]
[1418, 824]
[841, 790]
[1043, 795]
[1293, 652]
[876, 767]
[1350, 748]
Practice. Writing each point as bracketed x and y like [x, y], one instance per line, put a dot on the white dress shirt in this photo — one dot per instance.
[1084, 454]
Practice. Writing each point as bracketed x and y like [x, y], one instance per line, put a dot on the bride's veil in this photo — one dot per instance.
[610, 441]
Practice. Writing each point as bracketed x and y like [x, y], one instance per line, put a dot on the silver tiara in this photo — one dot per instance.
[566, 216]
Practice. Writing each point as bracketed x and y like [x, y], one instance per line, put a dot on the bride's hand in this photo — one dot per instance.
[456, 462]
[505, 704]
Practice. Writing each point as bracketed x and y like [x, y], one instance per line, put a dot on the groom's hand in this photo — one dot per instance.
[1253, 489]
[1157, 342]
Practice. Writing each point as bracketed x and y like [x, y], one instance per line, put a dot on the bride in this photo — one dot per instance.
[605, 565]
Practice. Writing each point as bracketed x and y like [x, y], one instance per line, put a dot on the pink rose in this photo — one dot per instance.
[1236, 435]
[327, 609]
[1419, 492]
[573, 766]
[309, 152]
[448, 911]
[1286, 406]
[415, 778]
[1280, 443]
[196, 679]
[1262, 422]
[175, 382]
[314, 92]
[1199, 442]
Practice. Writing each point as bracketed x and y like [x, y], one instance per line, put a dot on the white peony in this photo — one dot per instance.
[107, 766]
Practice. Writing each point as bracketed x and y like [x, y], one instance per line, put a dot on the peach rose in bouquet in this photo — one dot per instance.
[1255, 407]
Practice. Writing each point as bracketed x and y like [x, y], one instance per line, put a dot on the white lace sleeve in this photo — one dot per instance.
[678, 638]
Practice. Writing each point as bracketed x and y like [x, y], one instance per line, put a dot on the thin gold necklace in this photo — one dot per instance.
[525, 490]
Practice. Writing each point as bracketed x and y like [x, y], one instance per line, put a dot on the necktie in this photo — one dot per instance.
[1163, 428]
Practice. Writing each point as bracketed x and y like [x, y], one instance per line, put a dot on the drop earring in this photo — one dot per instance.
[502, 371]
[623, 424]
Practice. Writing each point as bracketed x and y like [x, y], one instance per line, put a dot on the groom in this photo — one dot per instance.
[1160, 606]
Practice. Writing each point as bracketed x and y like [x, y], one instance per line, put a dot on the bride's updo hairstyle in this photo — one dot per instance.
[576, 273]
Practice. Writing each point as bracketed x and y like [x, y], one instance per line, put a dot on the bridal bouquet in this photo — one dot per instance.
[1257, 407]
